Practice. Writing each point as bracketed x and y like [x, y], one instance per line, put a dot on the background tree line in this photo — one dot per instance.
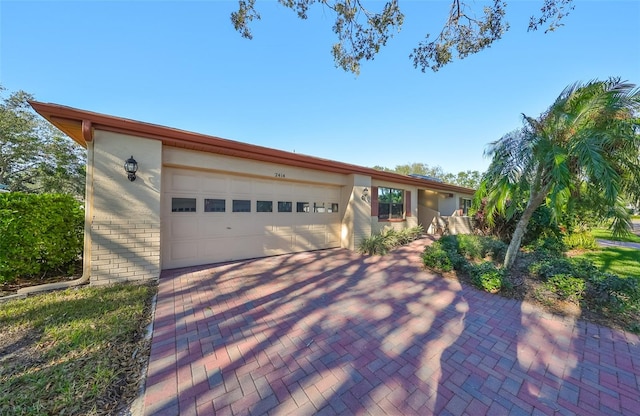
[468, 179]
[35, 157]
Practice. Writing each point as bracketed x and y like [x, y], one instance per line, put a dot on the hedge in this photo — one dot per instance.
[38, 233]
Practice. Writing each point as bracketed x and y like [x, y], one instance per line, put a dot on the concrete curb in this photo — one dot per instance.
[12, 297]
[137, 407]
[610, 243]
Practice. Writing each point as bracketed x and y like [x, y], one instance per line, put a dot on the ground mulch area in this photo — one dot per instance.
[525, 286]
[53, 276]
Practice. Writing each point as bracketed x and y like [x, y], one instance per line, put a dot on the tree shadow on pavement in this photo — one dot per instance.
[333, 332]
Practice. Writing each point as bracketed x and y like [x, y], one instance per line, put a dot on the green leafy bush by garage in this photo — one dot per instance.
[40, 233]
[387, 239]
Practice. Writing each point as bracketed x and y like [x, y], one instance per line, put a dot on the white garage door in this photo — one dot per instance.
[214, 217]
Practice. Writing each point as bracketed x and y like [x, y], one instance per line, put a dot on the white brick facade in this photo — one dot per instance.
[125, 250]
[125, 227]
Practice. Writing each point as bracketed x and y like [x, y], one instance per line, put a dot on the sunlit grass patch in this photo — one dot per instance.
[603, 233]
[622, 261]
[72, 352]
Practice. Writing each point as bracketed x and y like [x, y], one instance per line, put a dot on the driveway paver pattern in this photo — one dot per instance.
[334, 332]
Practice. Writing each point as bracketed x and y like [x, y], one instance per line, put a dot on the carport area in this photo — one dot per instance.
[334, 332]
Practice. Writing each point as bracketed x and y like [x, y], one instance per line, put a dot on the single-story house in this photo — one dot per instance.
[198, 199]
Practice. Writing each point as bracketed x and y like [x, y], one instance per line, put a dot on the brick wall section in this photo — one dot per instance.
[125, 216]
[125, 250]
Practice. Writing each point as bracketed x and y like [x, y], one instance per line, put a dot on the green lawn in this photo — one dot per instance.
[78, 351]
[622, 261]
[604, 233]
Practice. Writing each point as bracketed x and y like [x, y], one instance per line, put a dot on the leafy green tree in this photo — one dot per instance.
[34, 156]
[586, 142]
[361, 32]
[419, 169]
[468, 179]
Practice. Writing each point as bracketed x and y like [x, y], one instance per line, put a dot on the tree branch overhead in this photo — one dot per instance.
[361, 33]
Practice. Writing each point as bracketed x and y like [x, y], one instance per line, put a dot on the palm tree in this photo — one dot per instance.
[587, 141]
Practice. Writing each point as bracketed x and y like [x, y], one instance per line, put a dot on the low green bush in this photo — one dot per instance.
[470, 246]
[488, 277]
[610, 291]
[39, 233]
[437, 258]
[573, 279]
[549, 244]
[388, 238]
[495, 249]
[407, 235]
[373, 245]
[549, 266]
[566, 287]
[454, 252]
[583, 240]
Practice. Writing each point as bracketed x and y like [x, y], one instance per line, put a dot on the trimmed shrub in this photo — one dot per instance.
[488, 277]
[437, 258]
[470, 246]
[456, 252]
[387, 239]
[40, 233]
[407, 235]
[373, 245]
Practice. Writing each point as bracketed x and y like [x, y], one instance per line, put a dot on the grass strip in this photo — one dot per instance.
[604, 233]
[623, 261]
[77, 351]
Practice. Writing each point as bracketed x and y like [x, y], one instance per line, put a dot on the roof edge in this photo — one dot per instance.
[55, 113]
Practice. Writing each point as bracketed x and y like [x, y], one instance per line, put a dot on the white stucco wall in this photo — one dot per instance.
[125, 224]
[447, 204]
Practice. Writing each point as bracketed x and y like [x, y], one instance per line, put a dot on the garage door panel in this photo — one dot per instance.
[185, 182]
[183, 250]
[282, 189]
[212, 228]
[308, 240]
[215, 184]
[192, 238]
[333, 235]
[183, 227]
[318, 227]
[241, 186]
[277, 244]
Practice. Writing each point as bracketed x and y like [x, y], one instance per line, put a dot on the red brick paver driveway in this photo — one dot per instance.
[332, 332]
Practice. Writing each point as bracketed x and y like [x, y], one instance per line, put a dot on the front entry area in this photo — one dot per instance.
[211, 217]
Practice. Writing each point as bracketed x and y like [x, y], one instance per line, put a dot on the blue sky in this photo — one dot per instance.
[181, 64]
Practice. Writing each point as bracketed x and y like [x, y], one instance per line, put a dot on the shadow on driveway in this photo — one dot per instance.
[334, 332]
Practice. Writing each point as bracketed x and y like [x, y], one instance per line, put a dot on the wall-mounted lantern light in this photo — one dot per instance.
[365, 194]
[131, 167]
